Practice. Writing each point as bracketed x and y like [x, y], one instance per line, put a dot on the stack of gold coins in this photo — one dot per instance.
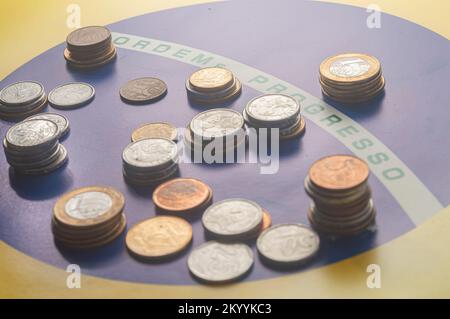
[215, 133]
[212, 86]
[342, 203]
[150, 161]
[159, 238]
[22, 99]
[182, 196]
[89, 47]
[351, 77]
[88, 217]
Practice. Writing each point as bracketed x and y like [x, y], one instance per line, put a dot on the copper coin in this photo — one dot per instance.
[155, 130]
[88, 37]
[143, 90]
[181, 194]
[211, 79]
[339, 172]
[159, 236]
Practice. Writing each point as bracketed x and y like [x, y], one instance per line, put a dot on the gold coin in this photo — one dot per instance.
[211, 79]
[88, 206]
[300, 130]
[159, 236]
[339, 172]
[350, 68]
[155, 130]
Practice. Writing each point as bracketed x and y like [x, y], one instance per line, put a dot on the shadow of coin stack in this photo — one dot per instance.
[21, 100]
[89, 47]
[32, 147]
[342, 203]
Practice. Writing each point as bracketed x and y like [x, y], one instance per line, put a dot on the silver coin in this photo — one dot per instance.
[288, 243]
[216, 262]
[21, 93]
[60, 160]
[61, 121]
[150, 153]
[88, 205]
[216, 123]
[32, 133]
[232, 217]
[272, 108]
[71, 95]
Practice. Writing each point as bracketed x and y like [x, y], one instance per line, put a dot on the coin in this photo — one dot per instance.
[298, 131]
[216, 123]
[350, 67]
[71, 95]
[181, 194]
[88, 206]
[214, 262]
[339, 172]
[143, 90]
[31, 133]
[21, 93]
[288, 243]
[160, 236]
[150, 153]
[232, 218]
[211, 79]
[88, 37]
[61, 121]
[272, 108]
[155, 130]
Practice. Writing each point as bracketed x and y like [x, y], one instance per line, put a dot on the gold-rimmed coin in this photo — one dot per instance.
[350, 68]
[338, 172]
[88, 206]
[211, 79]
[181, 194]
[155, 130]
[159, 237]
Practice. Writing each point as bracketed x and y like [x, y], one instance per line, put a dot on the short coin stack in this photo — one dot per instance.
[219, 130]
[88, 217]
[233, 219]
[275, 111]
[22, 99]
[212, 86]
[89, 47]
[351, 77]
[150, 161]
[158, 238]
[182, 196]
[32, 147]
[342, 198]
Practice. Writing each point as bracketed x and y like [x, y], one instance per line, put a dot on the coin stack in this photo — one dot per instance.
[32, 147]
[220, 131]
[149, 161]
[89, 47]
[342, 204]
[88, 217]
[275, 111]
[182, 196]
[351, 77]
[212, 85]
[233, 219]
[155, 130]
[22, 99]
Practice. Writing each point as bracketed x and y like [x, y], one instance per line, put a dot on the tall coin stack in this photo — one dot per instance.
[351, 77]
[220, 130]
[212, 85]
[88, 217]
[342, 198]
[275, 111]
[89, 47]
[150, 161]
[22, 99]
[32, 147]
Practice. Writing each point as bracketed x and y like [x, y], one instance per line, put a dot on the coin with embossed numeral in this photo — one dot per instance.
[214, 262]
[71, 95]
[143, 90]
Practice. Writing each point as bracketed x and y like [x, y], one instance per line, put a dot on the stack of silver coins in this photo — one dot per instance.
[150, 161]
[220, 131]
[275, 111]
[342, 203]
[22, 99]
[212, 86]
[32, 147]
[233, 219]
